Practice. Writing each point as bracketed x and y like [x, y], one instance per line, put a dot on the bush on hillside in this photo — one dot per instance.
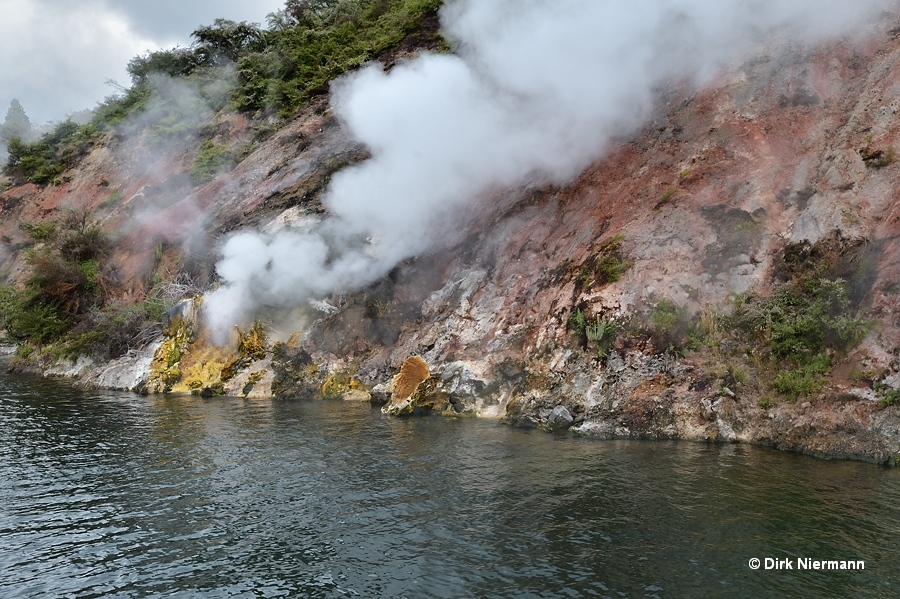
[44, 160]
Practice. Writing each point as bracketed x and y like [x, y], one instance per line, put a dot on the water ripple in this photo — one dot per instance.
[115, 495]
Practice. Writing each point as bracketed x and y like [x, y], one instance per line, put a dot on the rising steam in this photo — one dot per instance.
[537, 89]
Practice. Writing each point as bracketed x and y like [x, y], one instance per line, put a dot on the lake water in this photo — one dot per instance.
[116, 495]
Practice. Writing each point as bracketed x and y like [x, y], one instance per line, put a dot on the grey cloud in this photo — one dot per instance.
[175, 19]
[56, 55]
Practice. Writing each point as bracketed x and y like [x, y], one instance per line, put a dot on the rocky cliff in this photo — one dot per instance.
[729, 273]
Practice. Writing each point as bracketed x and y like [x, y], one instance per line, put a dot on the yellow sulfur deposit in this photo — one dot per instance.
[338, 384]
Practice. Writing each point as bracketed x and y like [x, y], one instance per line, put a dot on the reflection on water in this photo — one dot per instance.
[115, 495]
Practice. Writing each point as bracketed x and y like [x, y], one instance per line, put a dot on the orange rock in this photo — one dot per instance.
[412, 373]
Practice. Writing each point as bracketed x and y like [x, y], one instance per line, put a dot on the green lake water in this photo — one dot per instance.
[108, 494]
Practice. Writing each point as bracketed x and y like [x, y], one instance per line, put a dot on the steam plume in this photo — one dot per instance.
[537, 90]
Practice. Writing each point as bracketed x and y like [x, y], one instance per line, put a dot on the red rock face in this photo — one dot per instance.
[785, 149]
[707, 198]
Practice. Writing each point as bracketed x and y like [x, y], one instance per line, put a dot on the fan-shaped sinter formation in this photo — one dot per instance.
[414, 371]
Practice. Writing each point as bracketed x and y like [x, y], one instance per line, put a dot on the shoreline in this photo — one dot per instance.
[824, 428]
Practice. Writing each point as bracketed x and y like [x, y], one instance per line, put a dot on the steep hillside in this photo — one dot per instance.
[729, 273]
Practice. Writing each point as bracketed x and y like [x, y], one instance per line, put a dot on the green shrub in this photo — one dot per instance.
[309, 44]
[110, 331]
[670, 327]
[26, 317]
[666, 197]
[225, 41]
[890, 398]
[601, 333]
[210, 160]
[576, 322]
[221, 43]
[40, 232]
[176, 62]
[43, 161]
[805, 378]
[64, 282]
[610, 268]
[604, 266]
[115, 109]
[800, 321]
[91, 271]
[797, 328]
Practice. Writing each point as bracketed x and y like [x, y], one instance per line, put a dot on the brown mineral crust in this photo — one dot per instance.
[413, 372]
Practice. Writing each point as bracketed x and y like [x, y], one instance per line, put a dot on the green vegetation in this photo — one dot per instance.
[109, 331]
[44, 160]
[789, 340]
[312, 42]
[66, 265]
[666, 197]
[229, 65]
[888, 394]
[671, 328]
[598, 333]
[803, 378]
[277, 69]
[798, 331]
[65, 279]
[210, 160]
[890, 397]
[878, 158]
[63, 305]
[606, 265]
[576, 322]
[115, 109]
[794, 336]
[27, 318]
[799, 322]
[602, 334]
[16, 124]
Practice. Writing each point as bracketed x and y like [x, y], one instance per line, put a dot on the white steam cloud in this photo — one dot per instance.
[537, 90]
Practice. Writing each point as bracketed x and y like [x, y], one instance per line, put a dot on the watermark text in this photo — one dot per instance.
[805, 563]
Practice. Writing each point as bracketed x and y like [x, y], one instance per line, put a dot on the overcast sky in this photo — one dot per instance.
[56, 55]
